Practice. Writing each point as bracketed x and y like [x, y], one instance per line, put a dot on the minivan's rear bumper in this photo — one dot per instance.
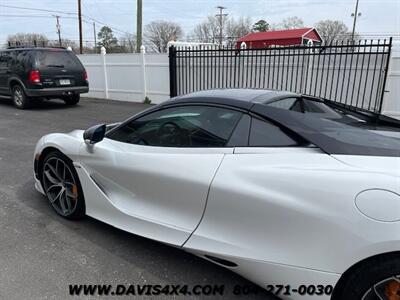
[48, 92]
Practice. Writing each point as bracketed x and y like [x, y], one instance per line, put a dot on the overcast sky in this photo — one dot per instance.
[379, 17]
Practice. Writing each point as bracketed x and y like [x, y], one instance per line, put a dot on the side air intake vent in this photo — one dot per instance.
[221, 261]
[96, 180]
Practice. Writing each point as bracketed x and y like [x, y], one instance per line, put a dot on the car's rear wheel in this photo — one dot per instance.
[19, 97]
[376, 279]
[62, 187]
[72, 99]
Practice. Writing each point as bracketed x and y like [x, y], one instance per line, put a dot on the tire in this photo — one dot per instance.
[62, 186]
[72, 100]
[19, 97]
[383, 272]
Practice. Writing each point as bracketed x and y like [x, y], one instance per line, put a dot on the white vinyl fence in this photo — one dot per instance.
[391, 100]
[127, 76]
[132, 77]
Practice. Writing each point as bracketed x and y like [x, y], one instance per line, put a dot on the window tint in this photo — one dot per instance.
[23, 60]
[266, 134]
[307, 106]
[287, 103]
[56, 58]
[188, 126]
[316, 107]
[354, 137]
[240, 136]
[5, 59]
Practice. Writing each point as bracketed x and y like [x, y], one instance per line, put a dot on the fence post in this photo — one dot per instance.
[385, 75]
[172, 72]
[310, 66]
[103, 53]
[143, 65]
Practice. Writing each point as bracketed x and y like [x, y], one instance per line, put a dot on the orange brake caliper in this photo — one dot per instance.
[392, 290]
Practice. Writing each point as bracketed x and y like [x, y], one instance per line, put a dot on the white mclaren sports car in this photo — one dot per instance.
[293, 193]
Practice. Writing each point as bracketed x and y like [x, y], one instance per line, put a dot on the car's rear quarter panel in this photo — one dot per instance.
[293, 207]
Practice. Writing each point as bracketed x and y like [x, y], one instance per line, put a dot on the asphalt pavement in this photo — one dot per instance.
[41, 254]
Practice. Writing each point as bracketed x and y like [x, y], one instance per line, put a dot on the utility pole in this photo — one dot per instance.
[80, 27]
[355, 15]
[59, 30]
[95, 38]
[221, 16]
[139, 14]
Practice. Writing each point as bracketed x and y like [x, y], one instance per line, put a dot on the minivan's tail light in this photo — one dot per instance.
[85, 76]
[34, 77]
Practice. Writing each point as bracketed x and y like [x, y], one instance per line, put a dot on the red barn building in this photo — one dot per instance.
[288, 37]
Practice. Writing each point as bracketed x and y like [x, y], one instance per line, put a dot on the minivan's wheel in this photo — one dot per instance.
[62, 187]
[72, 100]
[376, 279]
[19, 98]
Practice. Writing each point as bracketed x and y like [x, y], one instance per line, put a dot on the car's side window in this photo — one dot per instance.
[266, 134]
[184, 126]
[5, 59]
[22, 60]
[240, 136]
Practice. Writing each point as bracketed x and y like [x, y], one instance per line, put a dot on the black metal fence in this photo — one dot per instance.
[350, 73]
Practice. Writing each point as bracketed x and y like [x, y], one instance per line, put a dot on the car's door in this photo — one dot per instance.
[155, 171]
[257, 193]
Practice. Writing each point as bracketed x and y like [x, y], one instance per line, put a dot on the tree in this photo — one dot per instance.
[65, 43]
[236, 28]
[28, 39]
[159, 33]
[207, 31]
[261, 26]
[330, 31]
[128, 42]
[289, 23]
[107, 39]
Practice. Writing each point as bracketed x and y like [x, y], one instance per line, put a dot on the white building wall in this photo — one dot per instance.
[391, 100]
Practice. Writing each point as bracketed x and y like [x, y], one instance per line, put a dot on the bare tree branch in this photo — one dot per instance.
[333, 31]
[159, 33]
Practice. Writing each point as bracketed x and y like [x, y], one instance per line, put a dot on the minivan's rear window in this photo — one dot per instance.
[56, 59]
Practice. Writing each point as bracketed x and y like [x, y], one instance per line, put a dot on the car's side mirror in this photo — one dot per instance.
[94, 134]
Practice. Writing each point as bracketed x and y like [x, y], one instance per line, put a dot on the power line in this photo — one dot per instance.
[38, 9]
[26, 16]
[105, 24]
[65, 13]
